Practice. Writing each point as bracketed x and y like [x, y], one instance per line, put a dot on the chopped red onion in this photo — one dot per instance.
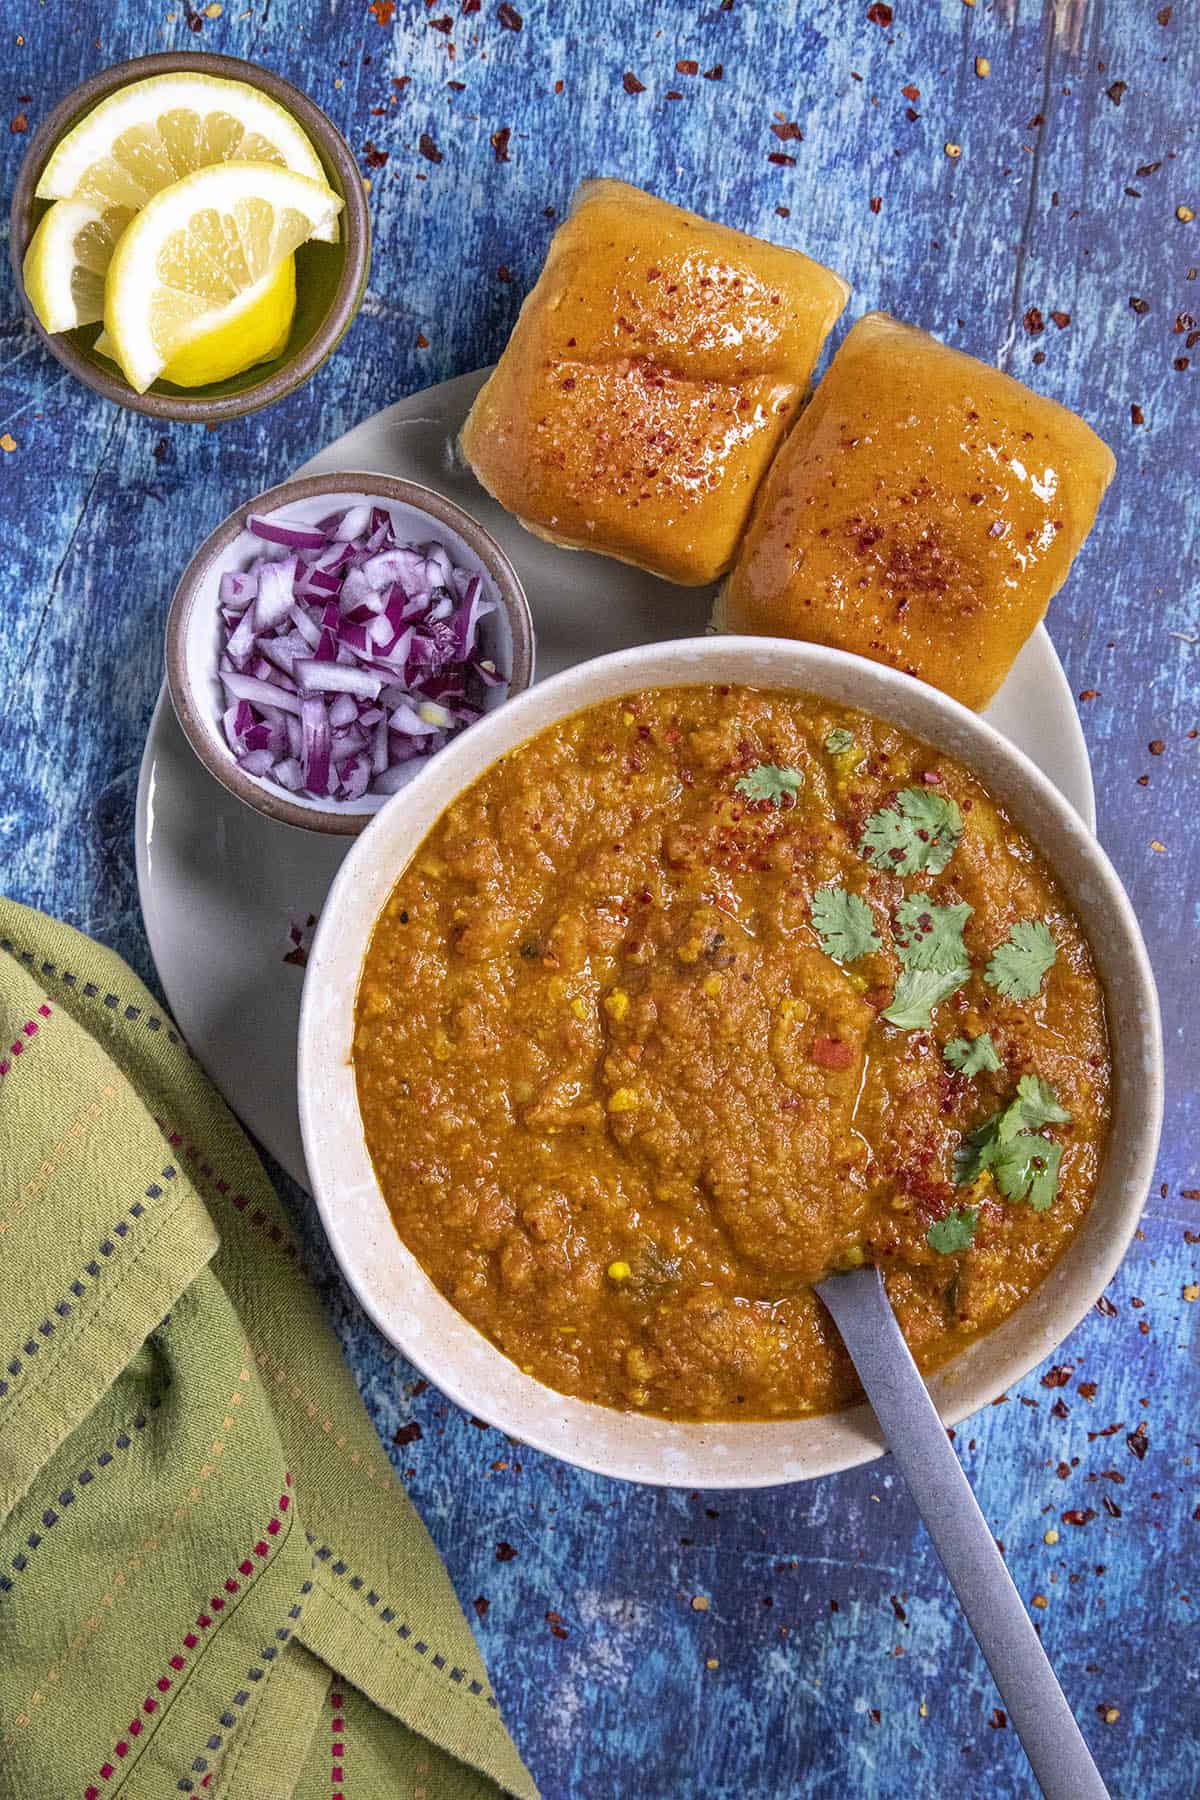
[349, 656]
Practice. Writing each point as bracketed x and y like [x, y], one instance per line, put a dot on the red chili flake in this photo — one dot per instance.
[428, 148]
[716, 73]
[1136, 415]
[1182, 362]
[687, 66]
[672, 94]
[373, 158]
[505, 1552]
[1148, 168]
[631, 84]
[1063, 1471]
[898, 1609]
[19, 124]
[482, 1606]
[1087, 1389]
[879, 14]
[875, 202]
[1061, 319]
[1163, 15]
[782, 160]
[401, 82]
[422, 341]
[783, 212]
[1104, 1305]
[510, 19]
[557, 1628]
[788, 132]
[999, 1718]
[1078, 1515]
[1117, 92]
[408, 1434]
[1110, 1506]
[194, 21]
[1139, 1441]
[504, 273]
[500, 143]
[383, 10]
[1060, 1409]
[445, 24]
[910, 92]
[1034, 322]
[1058, 1376]
[1156, 746]
[1139, 305]
[160, 450]
[911, 113]
[1039, 357]
[875, 1714]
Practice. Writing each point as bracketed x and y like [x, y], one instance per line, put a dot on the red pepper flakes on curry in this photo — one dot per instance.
[700, 994]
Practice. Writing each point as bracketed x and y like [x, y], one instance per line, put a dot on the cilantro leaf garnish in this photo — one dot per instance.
[918, 991]
[1036, 1105]
[920, 830]
[955, 1232]
[972, 1056]
[1023, 1163]
[844, 924]
[1026, 1168]
[839, 741]
[1017, 965]
[929, 936]
[767, 781]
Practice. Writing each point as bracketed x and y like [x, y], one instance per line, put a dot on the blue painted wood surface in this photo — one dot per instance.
[829, 1657]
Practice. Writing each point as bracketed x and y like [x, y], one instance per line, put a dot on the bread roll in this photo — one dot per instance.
[922, 513]
[648, 381]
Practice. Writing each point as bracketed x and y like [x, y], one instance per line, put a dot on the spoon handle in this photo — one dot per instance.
[994, 1610]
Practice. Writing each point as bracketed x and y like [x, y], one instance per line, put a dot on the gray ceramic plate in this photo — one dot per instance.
[220, 886]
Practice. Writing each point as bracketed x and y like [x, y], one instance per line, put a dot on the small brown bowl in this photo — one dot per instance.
[194, 629]
[330, 278]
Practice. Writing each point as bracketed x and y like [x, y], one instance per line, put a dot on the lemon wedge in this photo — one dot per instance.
[148, 135]
[254, 330]
[65, 265]
[195, 250]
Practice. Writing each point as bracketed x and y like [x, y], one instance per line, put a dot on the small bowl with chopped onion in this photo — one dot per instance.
[332, 635]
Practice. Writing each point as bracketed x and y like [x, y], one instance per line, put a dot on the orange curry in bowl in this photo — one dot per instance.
[702, 993]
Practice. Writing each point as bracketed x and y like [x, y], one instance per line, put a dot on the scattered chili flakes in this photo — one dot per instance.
[557, 1628]
[781, 159]
[1089, 694]
[875, 202]
[788, 131]
[1139, 1441]
[1140, 306]
[422, 341]
[510, 19]
[1144, 169]
[482, 1606]
[505, 1552]
[1078, 1515]
[19, 124]
[1136, 415]
[444, 24]
[1033, 322]
[428, 148]
[1061, 319]
[1156, 746]
[1058, 1376]
[911, 92]
[999, 1718]
[716, 73]
[1087, 1389]
[408, 1434]
[1163, 15]
[880, 14]
[631, 84]
[372, 156]
[1060, 1409]
[687, 66]
[500, 143]
[1117, 92]
[1103, 1305]
[383, 11]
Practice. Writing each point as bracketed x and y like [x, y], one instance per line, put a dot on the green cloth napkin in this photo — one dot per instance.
[210, 1580]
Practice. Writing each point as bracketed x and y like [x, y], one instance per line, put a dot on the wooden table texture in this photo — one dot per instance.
[802, 1641]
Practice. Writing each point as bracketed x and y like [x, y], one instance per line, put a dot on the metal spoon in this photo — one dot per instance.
[994, 1610]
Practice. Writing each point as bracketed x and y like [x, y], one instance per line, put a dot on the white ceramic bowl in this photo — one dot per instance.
[193, 643]
[407, 1307]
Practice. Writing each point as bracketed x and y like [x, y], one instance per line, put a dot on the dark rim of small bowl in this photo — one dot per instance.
[333, 819]
[340, 167]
